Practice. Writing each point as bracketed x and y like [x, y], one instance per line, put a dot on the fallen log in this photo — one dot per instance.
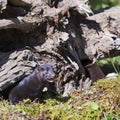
[64, 34]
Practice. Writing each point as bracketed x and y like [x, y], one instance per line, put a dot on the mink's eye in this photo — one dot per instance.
[42, 69]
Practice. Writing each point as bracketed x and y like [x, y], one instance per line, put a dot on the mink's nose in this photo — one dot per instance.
[52, 75]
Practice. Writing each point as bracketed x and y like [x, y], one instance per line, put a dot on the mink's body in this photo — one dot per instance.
[32, 85]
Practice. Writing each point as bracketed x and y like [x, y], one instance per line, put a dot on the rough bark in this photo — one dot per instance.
[3, 4]
[60, 33]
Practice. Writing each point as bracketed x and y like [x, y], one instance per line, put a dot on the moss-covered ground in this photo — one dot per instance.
[101, 102]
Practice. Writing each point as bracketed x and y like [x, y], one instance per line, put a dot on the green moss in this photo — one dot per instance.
[101, 102]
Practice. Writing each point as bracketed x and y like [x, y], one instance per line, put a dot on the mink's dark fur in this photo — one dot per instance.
[32, 85]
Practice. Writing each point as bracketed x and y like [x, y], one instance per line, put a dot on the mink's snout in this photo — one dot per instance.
[51, 74]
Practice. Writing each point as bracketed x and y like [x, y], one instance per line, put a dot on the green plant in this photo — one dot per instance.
[98, 4]
[112, 64]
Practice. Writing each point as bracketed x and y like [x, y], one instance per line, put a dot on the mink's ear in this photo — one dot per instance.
[38, 69]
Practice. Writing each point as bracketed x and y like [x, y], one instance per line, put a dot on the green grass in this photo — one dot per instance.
[101, 102]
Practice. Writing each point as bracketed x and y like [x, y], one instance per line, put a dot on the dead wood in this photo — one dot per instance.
[3, 4]
[61, 33]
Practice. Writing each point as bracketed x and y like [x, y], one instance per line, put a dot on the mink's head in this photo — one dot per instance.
[45, 72]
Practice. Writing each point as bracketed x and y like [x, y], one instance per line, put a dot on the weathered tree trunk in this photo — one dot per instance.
[61, 33]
